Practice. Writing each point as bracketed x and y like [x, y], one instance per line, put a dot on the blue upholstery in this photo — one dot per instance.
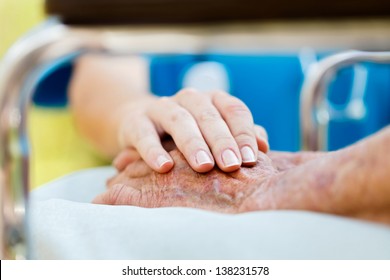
[269, 84]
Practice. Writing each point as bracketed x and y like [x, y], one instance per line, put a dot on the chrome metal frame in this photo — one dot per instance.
[19, 74]
[22, 67]
[314, 114]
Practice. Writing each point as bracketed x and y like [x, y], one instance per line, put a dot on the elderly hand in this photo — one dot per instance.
[246, 189]
[352, 182]
[207, 128]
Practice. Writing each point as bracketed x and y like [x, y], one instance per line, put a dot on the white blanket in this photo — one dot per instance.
[65, 225]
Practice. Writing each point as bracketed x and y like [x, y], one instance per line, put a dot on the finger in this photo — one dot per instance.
[118, 194]
[147, 196]
[101, 199]
[262, 139]
[214, 129]
[181, 126]
[142, 135]
[121, 194]
[124, 158]
[240, 122]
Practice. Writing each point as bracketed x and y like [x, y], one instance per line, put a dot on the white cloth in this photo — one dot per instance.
[65, 225]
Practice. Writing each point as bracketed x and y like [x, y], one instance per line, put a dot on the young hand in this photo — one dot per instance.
[208, 128]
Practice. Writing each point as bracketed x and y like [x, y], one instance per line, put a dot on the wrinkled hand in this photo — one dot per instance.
[247, 189]
[352, 182]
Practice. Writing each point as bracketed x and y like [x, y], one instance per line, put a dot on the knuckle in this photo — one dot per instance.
[149, 150]
[223, 140]
[152, 150]
[237, 108]
[115, 193]
[190, 143]
[187, 92]
[245, 135]
[209, 116]
[179, 114]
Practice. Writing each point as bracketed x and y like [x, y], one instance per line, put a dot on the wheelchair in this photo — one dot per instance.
[314, 80]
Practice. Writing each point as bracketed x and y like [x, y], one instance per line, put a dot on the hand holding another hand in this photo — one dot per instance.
[247, 189]
[348, 182]
[208, 128]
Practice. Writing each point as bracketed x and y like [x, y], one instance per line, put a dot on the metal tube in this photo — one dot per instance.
[18, 74]
[314, 118]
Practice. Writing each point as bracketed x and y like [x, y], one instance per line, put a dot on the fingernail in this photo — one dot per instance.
[247, 154]
[161, 160]
[203, 158]
[229, 158]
